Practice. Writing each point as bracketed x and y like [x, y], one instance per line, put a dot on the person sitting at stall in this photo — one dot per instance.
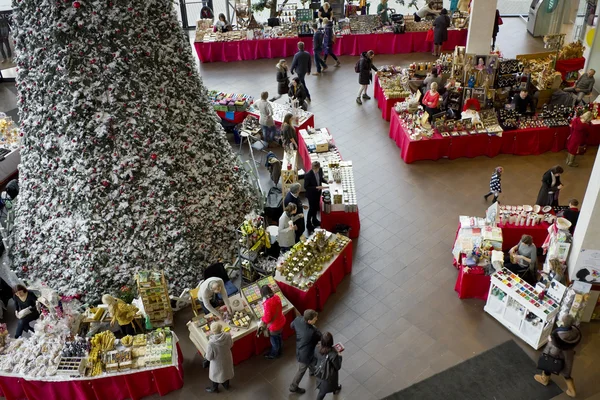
[286, 231]
[572, 214]
[222, 25]
[382, 11]
[583, 86]
[25, 309]
[121, 313]
[298, 93]
[425, 11]
[522, 102]
[431, 101]
[522, 259]
[430, 78]
[207, 294]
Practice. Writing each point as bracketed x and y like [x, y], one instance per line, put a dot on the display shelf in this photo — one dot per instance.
[154, 291]
[289, 171]
[517, 306]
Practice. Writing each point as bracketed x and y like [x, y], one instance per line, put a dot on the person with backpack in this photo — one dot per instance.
[363, 68]
[307, 338]
[329, 363]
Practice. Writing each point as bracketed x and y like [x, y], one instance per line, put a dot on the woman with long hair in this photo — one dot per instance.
[273, 319]
[328, 365]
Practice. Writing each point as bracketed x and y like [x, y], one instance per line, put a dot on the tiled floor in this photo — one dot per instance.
[398, 314]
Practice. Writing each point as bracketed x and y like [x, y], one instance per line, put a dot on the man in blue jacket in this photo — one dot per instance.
[307, 338]
[301, 65]
[318, 49]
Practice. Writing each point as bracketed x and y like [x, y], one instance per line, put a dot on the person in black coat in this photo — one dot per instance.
[313, 184]
[551, 185]
[301, 65]
[365, 65]
[496, 29]
[293, 196]
[524, 101]
[307, 338]
[325, 351]
[24, 299]
[572, 214]
[298, 92]
[283, 81]
[440, 32]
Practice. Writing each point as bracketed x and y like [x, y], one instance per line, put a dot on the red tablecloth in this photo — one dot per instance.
[309, 122]
[521, 142]
[511, 234]
[330, 220]
[304, 153]
[238, 116]
[118, 387]
[315, 297]
[573, 64]
[471, 286]
[594, 136]
[353, 45]
[384, 104]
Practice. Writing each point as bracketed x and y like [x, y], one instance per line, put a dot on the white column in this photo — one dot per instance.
[587, 231]
[481, 25]
[593, 56]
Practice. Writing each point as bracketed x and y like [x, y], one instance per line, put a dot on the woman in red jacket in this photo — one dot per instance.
[578, 137]
[274, 319]
[431, 101]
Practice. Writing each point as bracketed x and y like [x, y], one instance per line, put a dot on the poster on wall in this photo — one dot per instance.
[588, 266]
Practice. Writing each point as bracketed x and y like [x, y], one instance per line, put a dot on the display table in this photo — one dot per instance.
[594, 133]
[512, 233]
[384, 104]
[345, 45]
[303, 123]
[245, 342]
[114, 386]
[316, 296]
[303, 151]
[472, 285]
[10, 165]
[235, 117]
[333, 218]
[521, 142]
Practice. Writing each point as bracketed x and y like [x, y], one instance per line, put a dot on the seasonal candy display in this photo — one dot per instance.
[252, 294]
[229, 101]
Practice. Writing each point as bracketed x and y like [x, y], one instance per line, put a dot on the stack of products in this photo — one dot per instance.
[280, 110]
[317, 140]
[364, 24]
[525, 215]
[305, 262]
[231, 36]
[341, 193]
[254, 299]
[413, 26]
[394, 82]
[490, 121]
[509, 119]
[229, 101]
[154, 291]
[9, 133]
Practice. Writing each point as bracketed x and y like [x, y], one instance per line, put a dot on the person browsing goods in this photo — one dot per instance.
[313, 184]
[207, 294]
[382, 11]
[293, 196]
[424, 11]
[301, 65]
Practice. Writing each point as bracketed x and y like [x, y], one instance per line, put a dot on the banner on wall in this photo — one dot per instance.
[588, 266]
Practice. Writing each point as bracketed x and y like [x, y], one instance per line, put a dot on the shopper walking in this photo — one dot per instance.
[307, 338]
[218, 352]
[293, 196]
[297, 93]
[431, 100]
[551, 186]
[318, 49]
[288, 133]
[266, 117]
[583, 86]
[328, 42]
[495, 184]
[4, 40]
[25, 309]
[273, 319]
[561, 346]
[497, 23]
[328, 365]
[283, 81]
[301, 66]
[365, 76]
[578, 137]
[440, 31]
[313, 184]
[286, 229]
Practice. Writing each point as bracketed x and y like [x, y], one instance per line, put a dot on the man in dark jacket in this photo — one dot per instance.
[293, 196]
[318, 49]
[524, 101]
[307, 338]
[313, 184]
[301, 65]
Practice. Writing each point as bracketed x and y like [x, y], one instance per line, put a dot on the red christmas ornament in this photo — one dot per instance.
[154, 156]
[76, 4]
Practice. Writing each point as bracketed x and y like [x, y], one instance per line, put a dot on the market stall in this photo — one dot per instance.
[388, 95]
[301, 120]
[243, 323]
[351, 44]
[10, 156]
[311, 271]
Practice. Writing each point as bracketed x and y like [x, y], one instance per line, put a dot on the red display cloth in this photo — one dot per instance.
[238, 116]
[472, 286]
[384, 104]
[352, 219]
[243, 348]
[573, 64]
[316, 297]
[522, 142]
[511, 234]
[135, 385]
[304, 153]
[354, 45]
[594, 135]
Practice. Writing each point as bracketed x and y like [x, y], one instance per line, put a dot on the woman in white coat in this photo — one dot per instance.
[286, 234]
[218, 352]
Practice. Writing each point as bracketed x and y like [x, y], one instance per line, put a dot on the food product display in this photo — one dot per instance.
[154, 291]
[394, 82]
[571, 50]
[363, 24]
[306, 261]
[252, 294]
[9, 132]
[341, 193]
[524, 215]
[229, 101]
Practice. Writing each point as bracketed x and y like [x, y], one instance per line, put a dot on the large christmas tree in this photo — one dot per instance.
[124, 163]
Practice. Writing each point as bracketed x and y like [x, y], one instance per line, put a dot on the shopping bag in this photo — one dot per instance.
[429, 37]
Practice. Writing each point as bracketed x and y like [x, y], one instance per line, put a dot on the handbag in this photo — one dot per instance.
[323, 369]
[581, 150]
[500, 22]
[429, 37]
[550, 364]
